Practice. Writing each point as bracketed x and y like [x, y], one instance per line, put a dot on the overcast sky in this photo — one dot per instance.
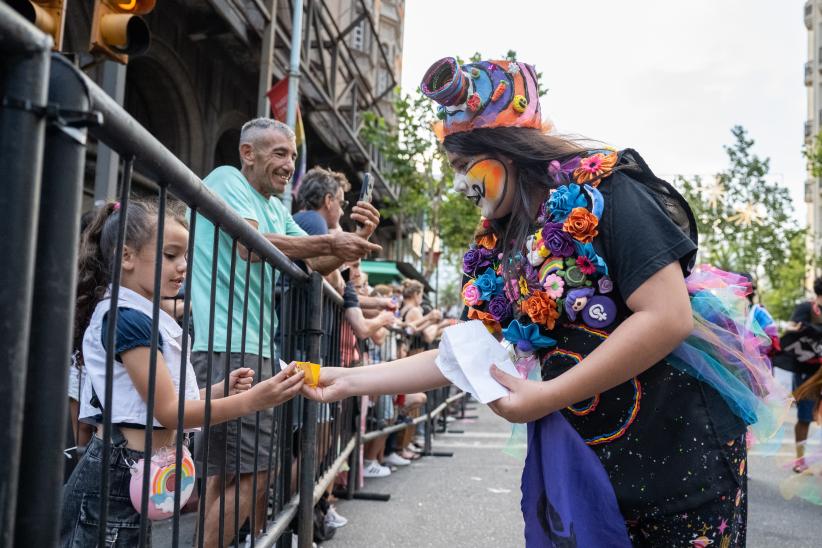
[668, 78]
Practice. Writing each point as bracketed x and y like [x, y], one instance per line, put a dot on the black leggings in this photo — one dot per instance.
[720, 523]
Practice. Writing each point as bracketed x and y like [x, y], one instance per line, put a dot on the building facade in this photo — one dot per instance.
[205, 73]
[813, 83]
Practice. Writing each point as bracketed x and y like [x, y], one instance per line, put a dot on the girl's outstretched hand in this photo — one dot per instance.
[240, 380]
[333, 385]
[525, 402]
[278, 389]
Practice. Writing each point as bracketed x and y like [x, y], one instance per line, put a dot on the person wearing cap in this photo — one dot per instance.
[580, 268]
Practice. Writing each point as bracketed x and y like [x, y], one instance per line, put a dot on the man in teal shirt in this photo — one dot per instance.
[267, 154]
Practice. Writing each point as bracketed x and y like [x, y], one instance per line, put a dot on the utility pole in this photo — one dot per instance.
[108, 161]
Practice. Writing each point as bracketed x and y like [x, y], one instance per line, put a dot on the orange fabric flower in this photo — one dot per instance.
[581, 224]
[486, 318]
[596, 166]
[488, 241]
[541, 308]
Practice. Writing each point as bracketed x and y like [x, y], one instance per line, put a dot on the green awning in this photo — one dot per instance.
[380, 272]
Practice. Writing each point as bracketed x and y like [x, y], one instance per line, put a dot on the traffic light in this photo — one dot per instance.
[47, 15]
[117, 30]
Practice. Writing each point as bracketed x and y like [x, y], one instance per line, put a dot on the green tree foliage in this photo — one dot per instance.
[813, 154]
[417, 165]
[787, 283]
[745, 225]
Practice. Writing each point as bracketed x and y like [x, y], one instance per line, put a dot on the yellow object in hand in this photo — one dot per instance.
[312, 373]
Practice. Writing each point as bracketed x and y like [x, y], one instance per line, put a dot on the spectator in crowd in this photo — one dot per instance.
[806, 316]
[267, 154]
[415, 320]
[322, 197]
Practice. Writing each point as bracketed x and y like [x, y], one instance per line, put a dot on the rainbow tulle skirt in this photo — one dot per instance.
[725, 351]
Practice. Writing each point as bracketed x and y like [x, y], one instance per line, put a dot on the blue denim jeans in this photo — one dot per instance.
[81, 501]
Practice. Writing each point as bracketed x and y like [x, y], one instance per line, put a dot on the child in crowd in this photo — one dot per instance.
[81, 499]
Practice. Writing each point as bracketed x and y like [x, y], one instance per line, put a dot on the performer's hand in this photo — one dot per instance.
[332, 386]
[525, 402]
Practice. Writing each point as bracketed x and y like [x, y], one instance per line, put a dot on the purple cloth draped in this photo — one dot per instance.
[567, 497]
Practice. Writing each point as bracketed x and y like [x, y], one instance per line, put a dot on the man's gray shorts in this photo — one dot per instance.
[224, 439]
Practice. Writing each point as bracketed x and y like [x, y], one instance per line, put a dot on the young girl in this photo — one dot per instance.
[81, 499]
[580, 267]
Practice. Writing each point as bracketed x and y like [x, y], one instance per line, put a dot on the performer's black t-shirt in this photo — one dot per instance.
[662, 436]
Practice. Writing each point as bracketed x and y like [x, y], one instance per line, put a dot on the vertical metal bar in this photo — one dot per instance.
[267, 61]
[239, 438]
[178, 458]
[232, 278]
[105, 168]
[215, 255]
[55, 276]
[21, 161]
[116, 269]
[293, 81]
[152, 363]
[252, 517]
[287, 309]
[276, 431]
[309, 437]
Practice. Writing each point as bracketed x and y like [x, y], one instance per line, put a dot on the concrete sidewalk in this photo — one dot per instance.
[470, 499]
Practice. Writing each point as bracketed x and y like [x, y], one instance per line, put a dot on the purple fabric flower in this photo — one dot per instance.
[499, 308]
[476, 258]
[559, 242]
[605, 285]
[561, 172]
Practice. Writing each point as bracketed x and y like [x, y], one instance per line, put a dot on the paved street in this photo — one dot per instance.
[472, 499]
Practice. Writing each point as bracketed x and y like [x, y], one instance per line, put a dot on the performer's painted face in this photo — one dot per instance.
[488, 182]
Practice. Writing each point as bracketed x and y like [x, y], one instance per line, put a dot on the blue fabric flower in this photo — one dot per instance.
[587, 250]
[564, 199]
[527, 338]
[489, 284]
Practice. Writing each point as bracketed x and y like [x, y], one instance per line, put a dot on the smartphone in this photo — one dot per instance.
[367, 187]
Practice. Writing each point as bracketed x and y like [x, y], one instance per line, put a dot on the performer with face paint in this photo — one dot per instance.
[648, 380]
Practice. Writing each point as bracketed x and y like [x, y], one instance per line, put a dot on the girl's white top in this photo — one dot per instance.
[126, 404]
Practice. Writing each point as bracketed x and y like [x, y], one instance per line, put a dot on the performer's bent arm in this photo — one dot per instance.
[416, 373]
[661, 320]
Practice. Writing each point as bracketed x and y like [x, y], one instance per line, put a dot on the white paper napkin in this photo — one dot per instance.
[466, 353]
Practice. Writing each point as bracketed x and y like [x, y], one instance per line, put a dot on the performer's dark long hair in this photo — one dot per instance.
[531, 150]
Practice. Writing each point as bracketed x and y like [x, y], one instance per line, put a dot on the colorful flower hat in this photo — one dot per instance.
[483, 94]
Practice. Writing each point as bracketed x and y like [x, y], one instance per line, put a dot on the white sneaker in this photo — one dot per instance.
[419, 441]
[333, 519]
[395, 459]
[374, 469]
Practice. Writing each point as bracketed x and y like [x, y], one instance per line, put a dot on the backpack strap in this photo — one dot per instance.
[674, 204]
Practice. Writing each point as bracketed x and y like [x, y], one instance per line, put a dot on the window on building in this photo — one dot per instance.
[361, 35]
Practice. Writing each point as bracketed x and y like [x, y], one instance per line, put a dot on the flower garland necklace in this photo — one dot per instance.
[557, 275]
